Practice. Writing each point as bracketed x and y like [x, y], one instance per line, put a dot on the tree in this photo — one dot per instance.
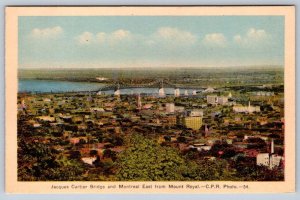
[167, 138]
[93, 152]
[209, 170]
[146, 160]
[181, 139]
[75, 155]
[40, 162]
[108, 153]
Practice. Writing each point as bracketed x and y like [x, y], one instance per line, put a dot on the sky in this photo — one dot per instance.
[150, 41]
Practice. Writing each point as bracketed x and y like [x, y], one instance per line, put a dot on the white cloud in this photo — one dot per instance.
[252, 38]
[101, 37]
[173, 36]
[112, 38]
[215, 39]
[256, 33]
[164, 36]
[85, 38]
[47, 33]
[120, 34]
[238, 38]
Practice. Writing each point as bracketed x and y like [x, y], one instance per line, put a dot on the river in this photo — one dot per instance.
[46, 86]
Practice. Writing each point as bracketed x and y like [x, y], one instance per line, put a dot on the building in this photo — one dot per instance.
[176, 92]
[117, 92]
[209, 90]
[200, 147]
[170, 107]
[179, 109]
[89, 160]
[222, 100]
[212, 99]
[169, 120]
[275, 161]
[194, 123]
[161, 92]
[262, 159]
[186, 93]
[46, 118]
[268, 160]
[246, 109]
[195, 113]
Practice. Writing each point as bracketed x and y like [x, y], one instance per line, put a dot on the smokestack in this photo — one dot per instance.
[272, 146]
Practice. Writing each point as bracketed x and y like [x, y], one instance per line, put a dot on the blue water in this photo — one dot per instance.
[45, 86]
[56, 86]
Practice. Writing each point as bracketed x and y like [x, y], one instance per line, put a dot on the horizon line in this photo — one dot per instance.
[155, 67]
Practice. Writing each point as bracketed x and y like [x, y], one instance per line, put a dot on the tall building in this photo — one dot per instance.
[194, 123]
[170, 107]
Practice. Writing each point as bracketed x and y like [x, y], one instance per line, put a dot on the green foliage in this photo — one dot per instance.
[251, 172]
[145, 160]
[217, 169]
[38, 162]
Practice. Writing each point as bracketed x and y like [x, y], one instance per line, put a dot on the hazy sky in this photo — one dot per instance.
[135, 41]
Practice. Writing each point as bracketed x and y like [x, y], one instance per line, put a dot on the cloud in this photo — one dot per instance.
[120, 34]
[47, 33]
[173, 36]
[256, 33]
[162, 37]
[112, 38]
[252, 38]
[215, 40]
[85, 38]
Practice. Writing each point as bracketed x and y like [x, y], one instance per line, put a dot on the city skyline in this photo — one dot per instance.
[122, 42]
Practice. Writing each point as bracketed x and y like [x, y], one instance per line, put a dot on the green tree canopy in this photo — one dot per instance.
[146, 160]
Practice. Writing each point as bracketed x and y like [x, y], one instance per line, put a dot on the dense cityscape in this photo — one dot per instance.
[214, 125]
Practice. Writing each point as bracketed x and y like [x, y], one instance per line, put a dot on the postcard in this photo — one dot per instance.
[182, 99]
